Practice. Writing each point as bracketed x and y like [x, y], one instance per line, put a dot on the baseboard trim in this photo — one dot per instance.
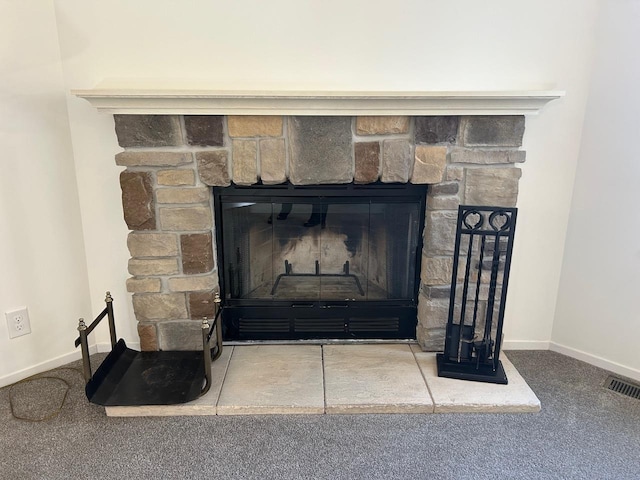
[525, 345]
[614, 367]
[44, 366]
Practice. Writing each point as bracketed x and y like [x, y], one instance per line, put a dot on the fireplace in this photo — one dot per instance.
[313, 262]
[180, 145]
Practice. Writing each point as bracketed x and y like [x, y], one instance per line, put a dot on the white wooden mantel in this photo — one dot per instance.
[166, 101]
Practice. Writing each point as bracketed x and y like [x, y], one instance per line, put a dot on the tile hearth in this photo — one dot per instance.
[335, 379]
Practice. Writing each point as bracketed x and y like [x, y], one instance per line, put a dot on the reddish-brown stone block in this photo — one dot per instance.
[197, 253]
[137, 200]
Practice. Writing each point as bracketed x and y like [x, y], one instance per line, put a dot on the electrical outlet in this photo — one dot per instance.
[18, 322]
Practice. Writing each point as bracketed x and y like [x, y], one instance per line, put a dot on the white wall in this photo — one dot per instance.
[407, 44]
[597, 316]
[42, 258]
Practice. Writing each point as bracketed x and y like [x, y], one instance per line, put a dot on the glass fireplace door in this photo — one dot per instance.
[313, 250]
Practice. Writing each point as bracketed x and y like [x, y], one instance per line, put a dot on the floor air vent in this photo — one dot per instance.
[623, 387]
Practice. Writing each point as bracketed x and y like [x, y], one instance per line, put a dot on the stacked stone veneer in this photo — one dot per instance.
[171, 161]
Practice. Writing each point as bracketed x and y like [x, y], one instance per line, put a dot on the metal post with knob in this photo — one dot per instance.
[84, 346]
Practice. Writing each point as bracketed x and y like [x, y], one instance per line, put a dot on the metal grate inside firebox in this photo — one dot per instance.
[623, 387]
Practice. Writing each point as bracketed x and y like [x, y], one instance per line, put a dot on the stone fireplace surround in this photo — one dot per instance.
[466, 152]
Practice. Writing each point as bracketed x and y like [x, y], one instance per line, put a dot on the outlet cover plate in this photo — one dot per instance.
[18, 322]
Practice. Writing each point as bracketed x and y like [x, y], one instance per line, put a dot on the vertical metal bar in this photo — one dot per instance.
[495, 265]
[84, 347]
[478, 282]
[452, 295]
[465, 292]
[112, 324]
[505, 283]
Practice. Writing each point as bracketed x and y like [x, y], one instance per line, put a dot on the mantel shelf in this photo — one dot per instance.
[136, 101]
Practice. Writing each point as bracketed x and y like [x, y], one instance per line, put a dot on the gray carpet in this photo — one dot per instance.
[583, 432]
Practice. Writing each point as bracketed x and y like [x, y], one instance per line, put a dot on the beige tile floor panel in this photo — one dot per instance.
[341, 379]
[374, 379]
[278, 379]
[461, 396]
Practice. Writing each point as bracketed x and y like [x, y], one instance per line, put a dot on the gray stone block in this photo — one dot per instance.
[430, 339]
[487, 157]
[396, 161]
[148, 130]
[180, 335]
[492, 131]
[440, 233]
[436, 129]
[204, 130]
[320, 150]
[444, 188]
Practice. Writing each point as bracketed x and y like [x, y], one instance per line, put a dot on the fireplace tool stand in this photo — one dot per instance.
[128, 377]
[288, 272]
[483, 247]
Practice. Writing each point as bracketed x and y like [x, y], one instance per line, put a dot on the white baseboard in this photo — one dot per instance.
[614, 367]
[525, 345]
[44, 366]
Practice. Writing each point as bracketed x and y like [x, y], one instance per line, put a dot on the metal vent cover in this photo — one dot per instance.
[623, 387]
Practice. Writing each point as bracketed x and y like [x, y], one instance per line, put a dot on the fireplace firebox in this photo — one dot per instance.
[319, 262]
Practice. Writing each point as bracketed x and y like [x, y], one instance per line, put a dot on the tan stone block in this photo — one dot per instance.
[429, 164]
[213, 168]
[255, 126]
[382, 125]
[430, 339]
[186, 218]
[183, 195]
[153, 159]
[144, 285]
[492, 186]
[454, 174]
[159, 306]
[245, 162]
[433, 313]
[176, 177]
[436, 270]
[192, 283]
[156, 266]
[396, 161]
[152, 244]
[148, 337]
[273, 161]
[445, 202]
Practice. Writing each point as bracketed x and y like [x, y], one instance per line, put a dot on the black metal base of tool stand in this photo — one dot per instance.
[484, 243]
[128, 377]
